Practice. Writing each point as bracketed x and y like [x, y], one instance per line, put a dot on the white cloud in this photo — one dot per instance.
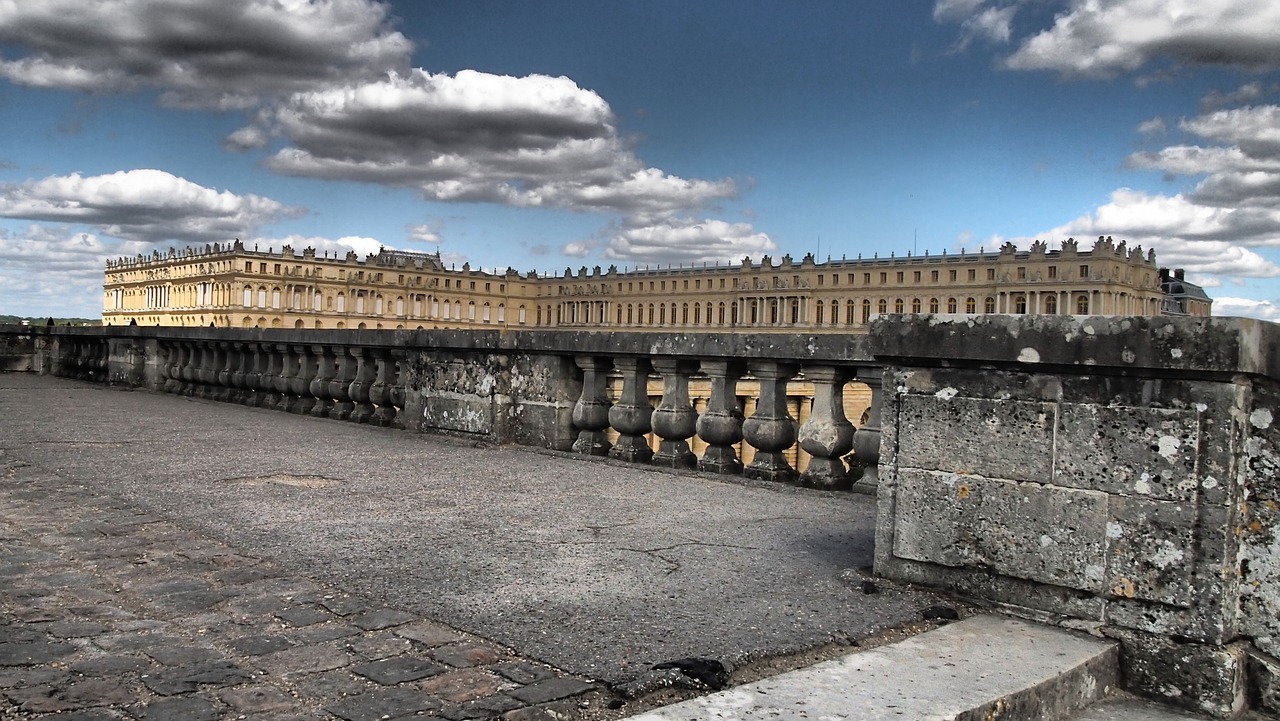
[578, 249]
[1154, 126]
[226, 54]
[533, 141]
[689, 241]
[57, 271]
[423, 233]
[144, 205]
[362, 245]
[1262, 309]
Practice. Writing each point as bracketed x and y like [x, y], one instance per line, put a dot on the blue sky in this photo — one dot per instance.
[559, 134]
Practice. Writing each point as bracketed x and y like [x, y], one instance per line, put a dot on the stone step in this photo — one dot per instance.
[1126, 708]
[981, 667]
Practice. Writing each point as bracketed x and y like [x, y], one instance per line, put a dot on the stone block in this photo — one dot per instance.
[1151, 549]
[444, 410]
[1026, 530]
[980, 436]
[1207, 678]
[1148, 452]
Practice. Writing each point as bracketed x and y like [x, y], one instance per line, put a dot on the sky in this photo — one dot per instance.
[552, 135]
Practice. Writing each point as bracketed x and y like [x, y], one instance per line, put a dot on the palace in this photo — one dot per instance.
[229, 285]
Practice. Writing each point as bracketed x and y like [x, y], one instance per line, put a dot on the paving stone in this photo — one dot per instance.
[322, 634]
[91, 714]
[557, 711]
[391, 671]
[101, 611]
[110, 665]
[382, 704]
[378, 646]
[523, 672]
[186, 708]
[77, 629]
[259, 645]
[258, 699]
[192, 601]
[36, 615]
[137, 641]
[466, 655]
[75, 695]
[332, 685]
[463, 685]
[20, 634]
[343, 605]
[18, 676]
[484, 708]
[242, 576]
[180, 655]
[381, 618]
[26, 654]
[304, 659]
[428, 634]
[304, 615]
[174, 681]
[550, 690]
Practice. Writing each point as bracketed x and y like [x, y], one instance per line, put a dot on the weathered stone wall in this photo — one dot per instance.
[1113, 472]
[17, 350]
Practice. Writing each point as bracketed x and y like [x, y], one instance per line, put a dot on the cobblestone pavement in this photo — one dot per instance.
[165, 557]
[108, 612]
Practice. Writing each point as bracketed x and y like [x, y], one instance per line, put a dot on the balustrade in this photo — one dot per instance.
[320, 383]
[771, 430]
[632, 415]
[339, 387]
[826, 435]
[300, 383]
[286, 369]
[362, 409]
[866, 441]
[675, 420]
[591, 412]
[721, 425]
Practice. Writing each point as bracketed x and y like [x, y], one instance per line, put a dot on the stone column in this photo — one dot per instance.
[631, 415]
[226, 364]
[365, 371]
[866, 440]
[380, 389]
[397, 370]
[675, 419]
[826, 435]
[300, 383]
[771, 429]
[286, 371]
[269, 365]
[188, 370]
[340, 385]
[721, 424]
[591, 412]
[320, 383]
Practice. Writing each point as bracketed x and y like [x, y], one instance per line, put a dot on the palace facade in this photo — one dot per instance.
[229, 285]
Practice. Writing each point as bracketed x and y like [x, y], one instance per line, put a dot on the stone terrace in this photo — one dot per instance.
[171, 557]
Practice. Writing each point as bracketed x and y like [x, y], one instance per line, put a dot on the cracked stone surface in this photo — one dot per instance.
[519, 574]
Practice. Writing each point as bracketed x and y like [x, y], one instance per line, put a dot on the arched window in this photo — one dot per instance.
[248, 297]
[484, 313]
[916, 306]
[362, 326]
[850, 312]
[435, 307]
[275, 298]
[817, 317]
[684, 313]
[651, 314]
[520, 312]
[898, 306]
[471, 310]
[342, 303]
[971, 306]
[1020, 304]
[360, 302]
[933, 305]
[835, 312]
[539, 316]
[866, 312]
[502, 313]
[1051, 305]
[662, 314]
[297, 323]
[400, 306]
[262, 297]
[990, 305]
[247, 322]
[697, 314]
[882, 307]
[951, 305]
[457, 309]
[1082, 305]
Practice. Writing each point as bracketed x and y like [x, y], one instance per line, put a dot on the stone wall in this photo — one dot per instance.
[1112, 474]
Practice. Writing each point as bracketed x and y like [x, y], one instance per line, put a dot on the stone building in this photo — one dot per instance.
[232, 286]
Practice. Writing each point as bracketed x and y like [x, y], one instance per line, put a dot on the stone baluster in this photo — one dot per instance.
[320, 383]
[866, 442]
[396, 380]
[591, 412]
[226, 366]
[365, 371]
[338, 387]
[253, 374]
[827, 435]
[632, 415]
[206, 371]
[172, 367]
[287, 368]
[675, 420]
[162, 367]
[270, 372]
[300, 383]
[771, 429]
[380, 389]
[188, 370]
[240, 373]
[720, 426]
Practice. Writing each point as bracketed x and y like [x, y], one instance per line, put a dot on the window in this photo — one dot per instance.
[990, 305]
[1082, 304]
[821, 277]
[486, 287]
[882, 307]
[866, 278]
[484, 313]
[898, 306]
[991, 273]
[262, 267]
[835, 279]
[248, 268]
[471, 310]
[933, 275]
[1020, 304]
[248, 296]
[473, 285]
[262, 297]
[933, 305]
[866, 312]
[884, 278]
[951, 304]
[973, 274]
[277, 269]
[686, 285]
[1051, 304]
[1022, 273]
[900, 274]
[1053, 271]
[916, 276]
[275, 298]
[915, 305]
[342, 303]
[971, 306]
[952, 275]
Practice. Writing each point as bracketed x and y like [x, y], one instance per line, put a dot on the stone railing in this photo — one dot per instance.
[1117, 475]
[765, 407]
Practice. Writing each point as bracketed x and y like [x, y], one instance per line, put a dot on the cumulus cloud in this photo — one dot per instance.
[1104, 38]
[57, 271]
[142, 205]
[423, 233]
[688, 241]
[532, 141]
[227, 54]
[1262, 309]
[362, 245]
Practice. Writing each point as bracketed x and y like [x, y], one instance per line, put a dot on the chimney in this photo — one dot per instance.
[1179, 274]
